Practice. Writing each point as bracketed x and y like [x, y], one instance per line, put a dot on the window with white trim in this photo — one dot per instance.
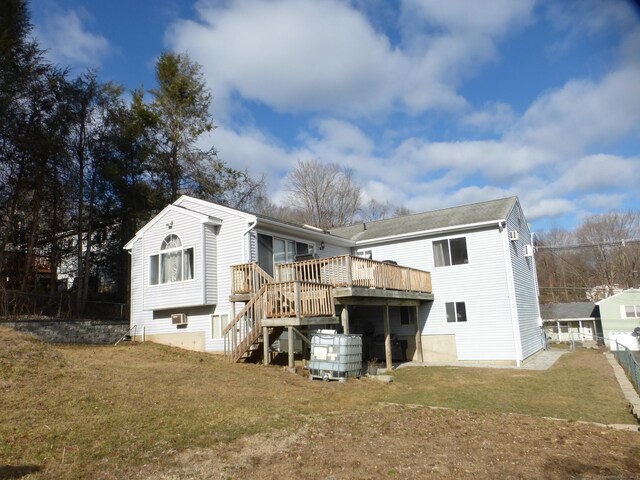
[218, 324]
[631, 311]
[456, 312]
[174, 263]
[452, 251]
[284, 251]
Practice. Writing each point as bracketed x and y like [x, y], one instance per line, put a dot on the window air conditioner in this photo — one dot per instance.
[513, 235]
[528, 251]
[179, 318]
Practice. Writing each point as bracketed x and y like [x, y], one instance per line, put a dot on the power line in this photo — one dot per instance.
[633, 241]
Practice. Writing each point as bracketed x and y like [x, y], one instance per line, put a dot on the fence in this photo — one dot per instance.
[630, 363]
[628, 359]
[61, 306]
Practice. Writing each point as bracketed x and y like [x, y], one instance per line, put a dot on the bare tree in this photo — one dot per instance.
[603, 254]
[374, 210]
[326, 193]
[612, 243]
[282, 212]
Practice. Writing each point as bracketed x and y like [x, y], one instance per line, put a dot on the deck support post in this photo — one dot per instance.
[420, 355]
[291, 346]
[344, 318]
[265, 343]
[387, 338]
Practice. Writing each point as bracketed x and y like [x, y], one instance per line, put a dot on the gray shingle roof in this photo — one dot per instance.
[437, 219]
[556, 311]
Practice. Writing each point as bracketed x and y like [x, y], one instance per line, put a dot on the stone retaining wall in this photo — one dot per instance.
[95, 332]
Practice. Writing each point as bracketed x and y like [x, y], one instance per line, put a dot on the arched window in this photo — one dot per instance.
[174, 263]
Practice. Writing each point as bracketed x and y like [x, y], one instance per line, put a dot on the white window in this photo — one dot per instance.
[284, 251]
[631, 311]
[174, 263]
[218, 324]
[368, 254]
[456, 312]
[452, 251]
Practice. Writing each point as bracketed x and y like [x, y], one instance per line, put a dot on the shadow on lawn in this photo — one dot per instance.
[11, 472]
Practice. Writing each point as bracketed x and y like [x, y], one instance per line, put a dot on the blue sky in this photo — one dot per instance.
[431, 103]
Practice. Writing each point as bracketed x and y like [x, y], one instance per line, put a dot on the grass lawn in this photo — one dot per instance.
[580, 386]
[112, 412]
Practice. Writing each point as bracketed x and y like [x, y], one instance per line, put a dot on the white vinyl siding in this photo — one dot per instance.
[524, 282]
[483, 280]
[172, 294]
[138, 316]
[614, 310]
[228, 252]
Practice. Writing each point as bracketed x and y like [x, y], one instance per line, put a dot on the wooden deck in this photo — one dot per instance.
[339, 272]
[306, 293]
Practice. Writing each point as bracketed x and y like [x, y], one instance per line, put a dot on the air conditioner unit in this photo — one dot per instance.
[528, 251]
[513, 235]
[179, 318]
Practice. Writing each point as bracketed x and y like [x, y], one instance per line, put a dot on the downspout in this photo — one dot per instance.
[244, 244]
[512, 294]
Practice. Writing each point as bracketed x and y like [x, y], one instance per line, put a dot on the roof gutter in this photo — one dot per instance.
[313, 231]
[435, 231]
[251, 226]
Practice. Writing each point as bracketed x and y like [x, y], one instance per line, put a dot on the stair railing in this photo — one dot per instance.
[128, 334]
[245, 328]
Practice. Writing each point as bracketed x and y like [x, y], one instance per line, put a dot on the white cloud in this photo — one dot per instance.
[494, 117]
[68, 41]
[253, 151]
[278, 54]
[345, 138]
[293, 55]
[490, 17]
[302, 55]
[498, 161]
[547, 207]
[591, 16]
[600, 201]
[583, 113]
[598, 172]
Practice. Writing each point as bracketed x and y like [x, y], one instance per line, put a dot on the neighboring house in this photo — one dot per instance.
[578, 321]
[211, 278]
[620, 316]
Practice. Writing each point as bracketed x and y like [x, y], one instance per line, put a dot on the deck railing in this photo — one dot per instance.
[299, 299]
[348, 271]
[245, 328]
[248, 278]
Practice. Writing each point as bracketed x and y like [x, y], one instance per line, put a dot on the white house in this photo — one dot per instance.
[620, 316]
[457, 284]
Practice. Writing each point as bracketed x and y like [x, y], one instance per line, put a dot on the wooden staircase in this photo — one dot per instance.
[256, 350]
[243, 335]
[272, 304]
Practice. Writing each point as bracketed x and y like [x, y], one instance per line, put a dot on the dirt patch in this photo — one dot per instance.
[392, 441]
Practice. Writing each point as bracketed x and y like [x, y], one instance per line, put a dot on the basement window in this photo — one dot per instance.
[218, 324]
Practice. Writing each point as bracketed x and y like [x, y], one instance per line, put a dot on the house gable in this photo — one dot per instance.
[614, 312]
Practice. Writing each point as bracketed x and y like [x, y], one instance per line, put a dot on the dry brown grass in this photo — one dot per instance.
[137, 410]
